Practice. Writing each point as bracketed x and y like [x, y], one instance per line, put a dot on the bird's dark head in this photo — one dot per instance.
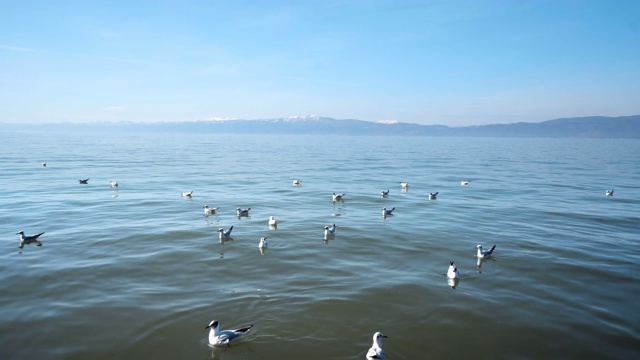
[213, 324]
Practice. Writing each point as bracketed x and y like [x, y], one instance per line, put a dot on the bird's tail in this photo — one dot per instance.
[493, 248]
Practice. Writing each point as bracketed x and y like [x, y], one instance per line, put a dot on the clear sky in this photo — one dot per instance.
[450, 62]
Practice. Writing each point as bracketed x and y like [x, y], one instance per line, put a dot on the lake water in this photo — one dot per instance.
[138, 272]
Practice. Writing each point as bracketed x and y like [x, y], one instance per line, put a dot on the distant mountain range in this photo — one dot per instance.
[623, 127]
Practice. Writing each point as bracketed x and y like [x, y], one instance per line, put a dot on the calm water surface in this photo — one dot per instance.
[138, 272]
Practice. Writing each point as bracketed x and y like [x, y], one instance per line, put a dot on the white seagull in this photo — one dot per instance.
[224, 337]
[29, 239]
[187, 194]
[296, 182]
[209, 211]
[485, 253]
[330, 230]
[453, 271]
[242, 212]
[465, 182]
[273, 221]
[384, 193]
[609, 193]
[376, 352]
[386, 211]
[84, 181]
[225, 233]
[114, 184]
[338, 197]
[432, 196]
[263, 243]
[404, 185]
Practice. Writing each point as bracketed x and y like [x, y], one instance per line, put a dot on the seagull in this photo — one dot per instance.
[273, 221]
[297, 182]
[263, 243]
[209, 211]
[44, 164]
[330, 230]
[242, 212]
[85, 181]
[432, 196]
[376, 352]
[187, 194]
[609, 193]
[386, 211]
[29, 239]
[465, 182]
[384, 193]
[485, 253]
[453, 271]
[404, 185]
[114, 184]
[225, 233]
[338, 197]
[224, 337]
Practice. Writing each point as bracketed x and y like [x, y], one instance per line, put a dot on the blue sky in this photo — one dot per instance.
[428, 62]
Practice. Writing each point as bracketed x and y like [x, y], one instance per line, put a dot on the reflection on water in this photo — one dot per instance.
[453, 282]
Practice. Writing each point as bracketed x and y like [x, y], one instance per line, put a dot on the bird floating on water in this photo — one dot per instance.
[29, 239]
[485, 253]
[84, 181]
[384, 193]
[328, 231]
[404, 185]
[337, 197]
[453, 271]
[376, 352]
[242, 212]
[187, 194]
[610, 193]
[386, 211]
[465, 182]
[296, 182]
[224, 337]
[432, 196]
[273, 221]
[209, 211]
[263, 243]
[114, 184]
[44, 164]
[225, 233]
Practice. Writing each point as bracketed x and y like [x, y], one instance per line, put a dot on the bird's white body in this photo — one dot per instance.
[263, 243]
[485, 253]
[465, 182]
[404, 185]
[433, 196]
[273, 221]
[296, 182]
[386, 211]
[219, 337]
[376, 352]
[114, 184]
[225, 233]
[337, 197]
[328, 231]
[187, 194]
[453, 271]
[610, 193]
[26, 240]
[209, 211]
